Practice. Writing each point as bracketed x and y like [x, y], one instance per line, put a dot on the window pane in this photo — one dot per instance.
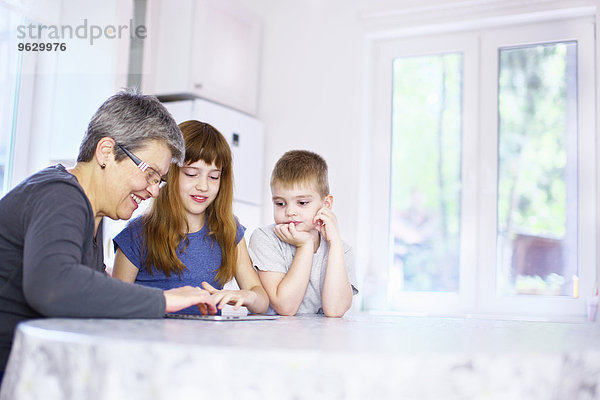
[9, 59]
[426, 173]
[537, 170]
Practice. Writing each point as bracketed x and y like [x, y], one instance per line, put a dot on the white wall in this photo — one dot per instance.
[310, 92]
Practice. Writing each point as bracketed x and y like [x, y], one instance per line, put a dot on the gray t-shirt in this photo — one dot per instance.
[269, 253]
[51, 264]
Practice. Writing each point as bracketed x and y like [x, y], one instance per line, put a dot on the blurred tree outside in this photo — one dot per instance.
[534, 174]
[426, 172]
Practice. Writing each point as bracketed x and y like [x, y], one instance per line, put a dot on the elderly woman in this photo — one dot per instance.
[51, 232]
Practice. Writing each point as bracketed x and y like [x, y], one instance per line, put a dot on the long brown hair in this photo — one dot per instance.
[165, 226]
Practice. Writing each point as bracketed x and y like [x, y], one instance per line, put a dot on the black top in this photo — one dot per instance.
[51, 264]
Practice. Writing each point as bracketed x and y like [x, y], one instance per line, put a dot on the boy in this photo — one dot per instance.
[302, 262]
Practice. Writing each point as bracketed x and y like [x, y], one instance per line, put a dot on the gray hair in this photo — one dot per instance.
[132, 119]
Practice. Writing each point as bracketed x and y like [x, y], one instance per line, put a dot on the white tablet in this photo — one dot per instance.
[254, 317]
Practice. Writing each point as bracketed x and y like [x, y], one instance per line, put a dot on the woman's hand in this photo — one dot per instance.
[236, 298]
[187, 296]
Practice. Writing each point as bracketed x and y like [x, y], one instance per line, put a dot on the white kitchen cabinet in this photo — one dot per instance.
[248, 215]
[205, 48]
[181, 111]
[166, 65]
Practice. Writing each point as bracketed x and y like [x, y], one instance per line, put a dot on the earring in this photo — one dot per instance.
[103, 166]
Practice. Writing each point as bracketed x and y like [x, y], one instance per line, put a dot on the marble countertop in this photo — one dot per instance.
[304, 357]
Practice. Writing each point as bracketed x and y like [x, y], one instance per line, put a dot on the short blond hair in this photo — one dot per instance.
[301, 167]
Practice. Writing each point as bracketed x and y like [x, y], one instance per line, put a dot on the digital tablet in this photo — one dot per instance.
[200, 317]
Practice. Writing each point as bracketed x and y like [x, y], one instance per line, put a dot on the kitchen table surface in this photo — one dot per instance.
[304, 357]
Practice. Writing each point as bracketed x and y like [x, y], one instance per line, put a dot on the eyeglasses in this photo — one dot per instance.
[152, 176]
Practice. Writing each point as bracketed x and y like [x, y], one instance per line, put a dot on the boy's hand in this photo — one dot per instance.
[289, 234]
[326, 223]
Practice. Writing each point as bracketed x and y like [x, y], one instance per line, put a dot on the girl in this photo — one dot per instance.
[190, 236]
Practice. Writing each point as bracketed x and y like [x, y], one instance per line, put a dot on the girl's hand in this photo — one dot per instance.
[236, 298]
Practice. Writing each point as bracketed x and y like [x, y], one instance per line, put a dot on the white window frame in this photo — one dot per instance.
[477, 287]
[581, 30]
[386, 53]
